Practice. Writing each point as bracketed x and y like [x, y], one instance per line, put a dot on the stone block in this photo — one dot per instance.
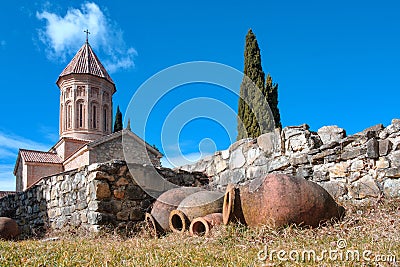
[270, 143]
[252, 154]
[220, 164]
[279, 163]
[373, 149]
[382, 163]
[238, 176]
[357, 165]
[384, 147]
[335, 189]
[298, 159]
[339, 170]
[134, 192]
[330, 134]
[123, 215]
[256, 172]
[391, 188]
[353, 153]
[393, 172]
[364, 187]
[121, 182]
[119, 194]
[237, 159]
[394, 158]
[136, 214]
[102, 190]
[100, 175]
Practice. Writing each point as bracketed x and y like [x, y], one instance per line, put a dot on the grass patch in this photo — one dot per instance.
[373, 230]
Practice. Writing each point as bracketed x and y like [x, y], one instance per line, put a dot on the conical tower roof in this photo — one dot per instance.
[86, 62]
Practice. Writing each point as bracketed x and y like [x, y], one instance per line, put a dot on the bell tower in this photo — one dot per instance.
[86, 91]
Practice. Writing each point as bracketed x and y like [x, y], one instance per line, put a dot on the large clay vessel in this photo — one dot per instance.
[157, 220]
[278, 200]
[8, 228]
[202, 226]
[196, 205]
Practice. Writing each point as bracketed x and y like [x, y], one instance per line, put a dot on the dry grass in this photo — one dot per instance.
[374, 228]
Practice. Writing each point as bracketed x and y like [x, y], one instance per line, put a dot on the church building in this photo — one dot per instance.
[86, 112]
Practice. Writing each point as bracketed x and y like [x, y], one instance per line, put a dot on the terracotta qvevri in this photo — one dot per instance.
[278, 200]
[8, 228]
[157, 220]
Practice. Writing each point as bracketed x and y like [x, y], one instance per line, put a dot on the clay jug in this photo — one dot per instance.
[8, 228]
[202, 226]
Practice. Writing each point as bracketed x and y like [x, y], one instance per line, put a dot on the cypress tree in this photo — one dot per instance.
[254, 116]
[118, 121]
[272, 93]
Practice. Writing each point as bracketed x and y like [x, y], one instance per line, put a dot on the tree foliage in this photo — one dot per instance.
[118, 121]
[256, 94]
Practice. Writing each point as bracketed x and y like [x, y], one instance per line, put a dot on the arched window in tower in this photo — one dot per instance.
[69, 116]
[95, 116]
[81, 114]
[105, 118]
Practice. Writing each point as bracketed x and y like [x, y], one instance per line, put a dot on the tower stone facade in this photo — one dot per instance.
[86, 91]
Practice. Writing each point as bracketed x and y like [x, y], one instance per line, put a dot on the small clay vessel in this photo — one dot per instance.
[202, 226]
[196, 205]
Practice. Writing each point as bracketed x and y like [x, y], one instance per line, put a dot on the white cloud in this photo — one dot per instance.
[63, 36]
[9, 144]
[7, 180]
[3, 43]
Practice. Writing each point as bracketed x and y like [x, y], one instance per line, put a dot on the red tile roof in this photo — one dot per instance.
[40, 156]
[86, 62]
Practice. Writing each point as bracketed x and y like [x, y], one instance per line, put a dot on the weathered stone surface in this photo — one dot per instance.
[121, 182]
[364, 187]
[123, 215]
[279, 163]
[238, 176]
[335, 189]
[220, 164]
[329, 134]
[391, 187]
[382, 163]
[339, 170]
[252, 154]
[256, 172]
[394, 158]
[357, 165]
[298, 159]
[353, 153]
[119, 194]
[393, 172]
[320, 157]
[100, 175]
[373, 149]
[102, 190]
[237, 159]
[384, 147]
[270, 143]
[225, 154]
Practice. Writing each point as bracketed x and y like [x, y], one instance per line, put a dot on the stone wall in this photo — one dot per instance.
[359, 167]
[89, 198]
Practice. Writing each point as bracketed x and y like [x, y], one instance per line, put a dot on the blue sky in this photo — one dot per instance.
[336, 62]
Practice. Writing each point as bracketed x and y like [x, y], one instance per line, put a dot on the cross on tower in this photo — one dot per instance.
[87, 35]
